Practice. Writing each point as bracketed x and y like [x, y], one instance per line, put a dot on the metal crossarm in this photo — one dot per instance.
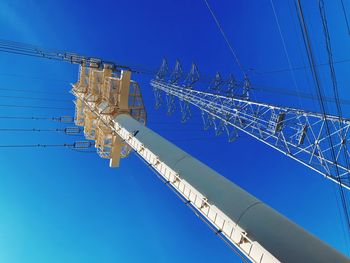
[299, 134]
[59, 55]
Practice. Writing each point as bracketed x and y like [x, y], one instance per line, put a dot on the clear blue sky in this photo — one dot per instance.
[58, 205]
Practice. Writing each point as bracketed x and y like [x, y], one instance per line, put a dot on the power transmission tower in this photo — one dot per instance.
[299, 134]
[110, 107]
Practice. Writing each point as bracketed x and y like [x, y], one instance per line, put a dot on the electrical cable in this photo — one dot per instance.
[330, 57]
[33, 77]
[64, 119]
[34, 145]
[333, 74]
[77, 130]
[311, 59]
[34, 91]
[296, 68]
[71, 131]
[305, 95]
[153, 71]
[256, 87]
[226, 39]
[13, 47]
[76, 145]
[345, 16]
[286, 52]
[33, 98]
[261, 88]
[300, 52]
[33, 107]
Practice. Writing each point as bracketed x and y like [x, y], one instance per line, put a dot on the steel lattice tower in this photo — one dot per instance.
[301, 135]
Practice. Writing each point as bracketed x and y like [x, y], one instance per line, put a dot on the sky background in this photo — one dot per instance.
[58, 205]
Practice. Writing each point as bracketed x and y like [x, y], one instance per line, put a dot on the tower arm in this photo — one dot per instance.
[299, 134]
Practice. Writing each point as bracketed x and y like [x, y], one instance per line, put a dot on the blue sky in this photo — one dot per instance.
[58, 205]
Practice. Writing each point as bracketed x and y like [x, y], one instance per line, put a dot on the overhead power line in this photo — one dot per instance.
[150, 71]
[305, 95]
[285, 50]
[64, 119]
[314, 71]
[76, 145]
[34, 145]
[258, 72]
[33, 98]
[330, 57]
[34, 91]
[33, 107]
[333, 75]
[67, 130]
[18, 48]
[226, 39]
[345, 16]
[33, 77]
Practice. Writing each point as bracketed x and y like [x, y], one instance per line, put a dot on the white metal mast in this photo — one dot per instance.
[109, 106]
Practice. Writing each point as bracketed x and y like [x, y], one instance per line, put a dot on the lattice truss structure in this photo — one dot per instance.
[106, 92]
[318, 141]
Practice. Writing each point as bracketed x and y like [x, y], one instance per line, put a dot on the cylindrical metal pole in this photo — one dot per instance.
[285, 240]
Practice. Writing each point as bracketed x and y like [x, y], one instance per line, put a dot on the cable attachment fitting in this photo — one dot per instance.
[72, 130]
[217, 82]
[82, 144]
[163, 71]
[177, 73]
[231, 86]
[66, 119]
[192, 77]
